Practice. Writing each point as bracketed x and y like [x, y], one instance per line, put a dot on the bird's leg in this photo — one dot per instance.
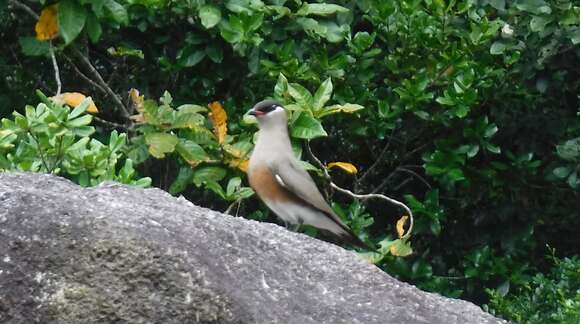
[298, 225]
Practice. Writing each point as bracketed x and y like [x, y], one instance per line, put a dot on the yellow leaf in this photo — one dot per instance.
[73, 99]
[239, 163]
[348, 167]
[219, 119]
[401, 225]
[138, 104]
[47, 25]
[400, 248]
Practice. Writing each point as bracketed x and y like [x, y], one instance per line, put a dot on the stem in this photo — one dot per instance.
[365, 196]
[100, 81]
[40, 150]
[56, 70]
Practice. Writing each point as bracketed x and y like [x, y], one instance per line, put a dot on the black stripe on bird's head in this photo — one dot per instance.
[266, 107]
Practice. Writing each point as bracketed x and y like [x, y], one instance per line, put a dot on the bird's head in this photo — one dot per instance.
[269, 113]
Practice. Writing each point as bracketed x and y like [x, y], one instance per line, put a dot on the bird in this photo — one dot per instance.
[282, 183]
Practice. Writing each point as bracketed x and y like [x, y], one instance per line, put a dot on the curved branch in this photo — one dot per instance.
[365, 196]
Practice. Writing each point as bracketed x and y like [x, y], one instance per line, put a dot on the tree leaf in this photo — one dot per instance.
[498, 47]
[348, 167]
[400, 248]
[320, 9]
[71, 19]
[281, 87]
[117, 11]
[219, 119]
[346, 108]
[74, 99]
[401, 225]
[33, 47]
[46, 27]
[191, 152]
[184, 178]
[210, 16]
[207, 174]
[94, 29]
[307, 127]
[322, 95]
[161, 144]
[301, 95]
[562, 172]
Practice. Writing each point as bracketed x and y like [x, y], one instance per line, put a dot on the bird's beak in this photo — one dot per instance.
[255, 113]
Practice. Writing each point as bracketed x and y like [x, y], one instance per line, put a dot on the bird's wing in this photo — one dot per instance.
[295, 179]
[290, 175]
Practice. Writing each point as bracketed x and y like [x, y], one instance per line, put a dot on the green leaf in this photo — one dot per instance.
[570, 150]
[94, 29]
[161, 144]
[216, 188]
[322, 95]
[562, 172]
[320, 9]
[183, 179]
[233, 185]
[33, 47]
[498, 4]
[191, 151]
[71, 19]
[81, 121]
[497, 48]
[117, 12]
[346, 108]
[210, 16]
[208, 173]
[362, 41]
[81, 108]
[301, 95]
[281, 87]
[307, 127]
[84, 131]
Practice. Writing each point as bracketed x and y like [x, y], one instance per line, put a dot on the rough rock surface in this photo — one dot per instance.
[116, 254]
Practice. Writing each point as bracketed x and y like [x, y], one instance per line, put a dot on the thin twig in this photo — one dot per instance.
[109, 123]
[416, 175]
[24, 7]
[56, 70]
[378, 160]
[99, 78]
[365, 196]
[83, 76]
[40, 151]
[383, 197]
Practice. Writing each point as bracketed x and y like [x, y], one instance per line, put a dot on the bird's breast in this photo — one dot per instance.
[264, 183]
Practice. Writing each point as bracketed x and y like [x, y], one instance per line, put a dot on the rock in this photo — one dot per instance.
[117, 254]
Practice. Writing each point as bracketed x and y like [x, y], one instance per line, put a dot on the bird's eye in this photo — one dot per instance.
[268, 109]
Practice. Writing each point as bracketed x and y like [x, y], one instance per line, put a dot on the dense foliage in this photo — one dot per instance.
[465, 110]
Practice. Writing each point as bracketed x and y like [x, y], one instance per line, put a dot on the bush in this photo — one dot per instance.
[553, 298]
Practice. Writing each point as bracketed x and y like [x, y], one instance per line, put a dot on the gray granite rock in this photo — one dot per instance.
[116, 254]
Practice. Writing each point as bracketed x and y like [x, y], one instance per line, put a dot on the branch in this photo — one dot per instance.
[56, 70]
[24, 7]
[378, 161]
[83, 76]
[383, 197]
[109, 123]
[365, 196]
[100, 81]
